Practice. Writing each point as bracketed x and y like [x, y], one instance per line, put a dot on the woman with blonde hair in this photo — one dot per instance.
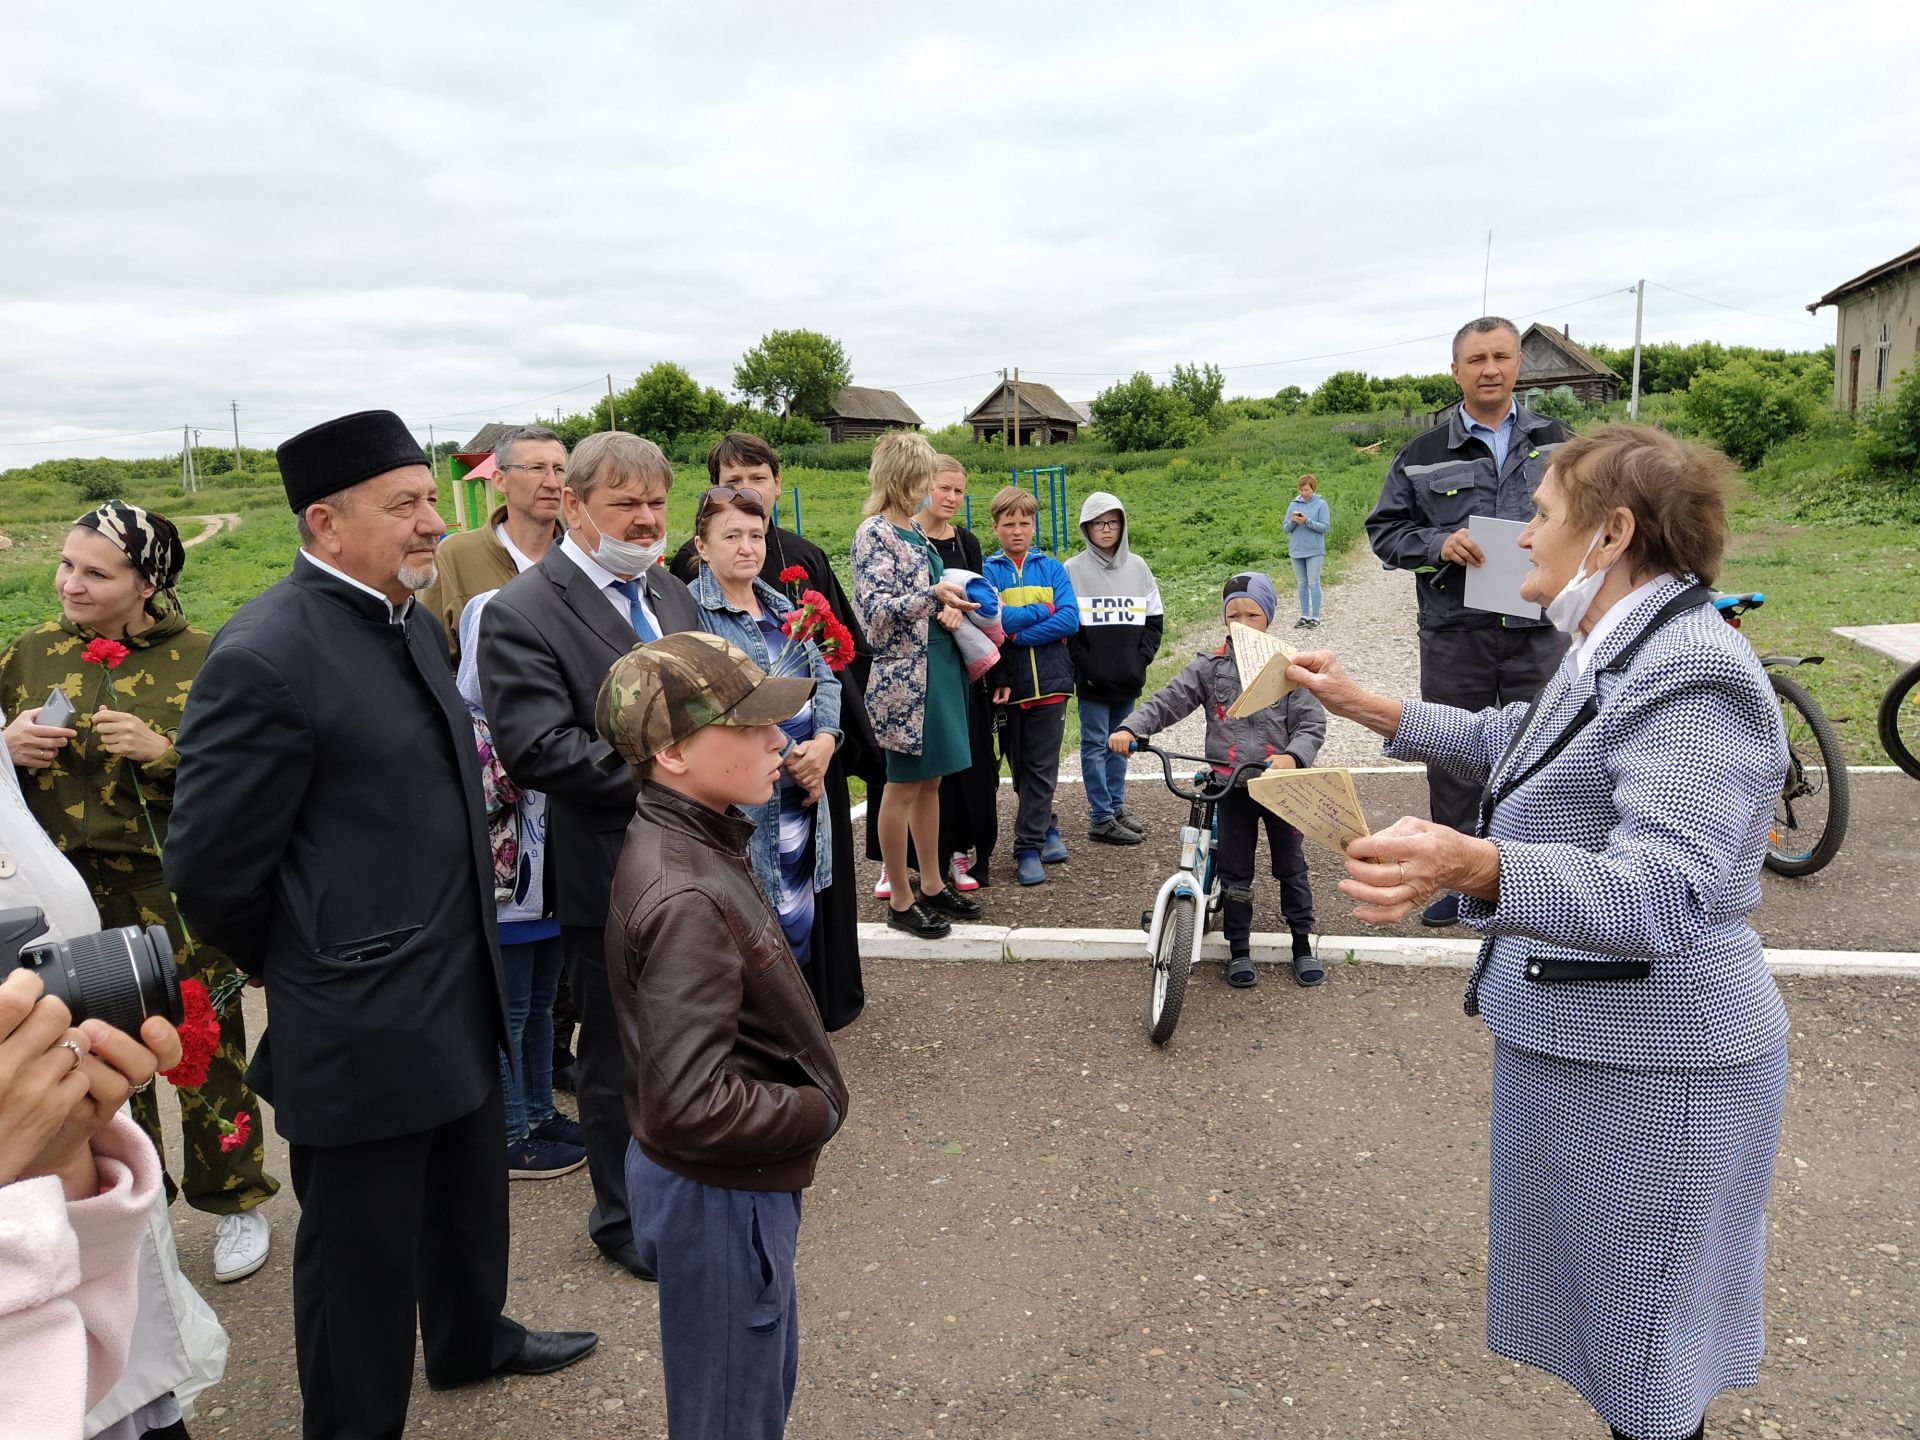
[916, 696]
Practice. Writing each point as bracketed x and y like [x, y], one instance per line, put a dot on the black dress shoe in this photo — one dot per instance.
[919, 919]
[544, 1351]
[628, 1258]
[949, 901]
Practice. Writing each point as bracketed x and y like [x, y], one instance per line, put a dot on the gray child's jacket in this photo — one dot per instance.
[1295, 724]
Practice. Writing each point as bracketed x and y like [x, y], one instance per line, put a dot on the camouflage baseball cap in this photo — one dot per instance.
[657, 695]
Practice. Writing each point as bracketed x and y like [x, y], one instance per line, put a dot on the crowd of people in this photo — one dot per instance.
[528, 807]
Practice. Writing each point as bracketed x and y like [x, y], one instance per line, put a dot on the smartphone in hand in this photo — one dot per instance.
[57, 711]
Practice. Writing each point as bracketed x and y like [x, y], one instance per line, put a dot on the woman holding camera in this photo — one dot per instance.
[115, 669]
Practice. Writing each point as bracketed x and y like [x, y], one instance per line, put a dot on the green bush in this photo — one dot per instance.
[1345, 392]
[1560, 403]
[1748, 406]
[1137, 414]
[1888, 445]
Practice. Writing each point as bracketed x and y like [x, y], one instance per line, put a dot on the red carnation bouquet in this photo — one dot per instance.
[812, 621]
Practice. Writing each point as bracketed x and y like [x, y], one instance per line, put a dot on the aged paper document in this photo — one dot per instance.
[1320, 804]
[1262, 662]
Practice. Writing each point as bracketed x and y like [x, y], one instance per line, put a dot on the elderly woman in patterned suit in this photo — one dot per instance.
[1639, 1042]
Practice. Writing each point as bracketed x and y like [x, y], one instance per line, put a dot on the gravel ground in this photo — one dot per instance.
[1037, 1225]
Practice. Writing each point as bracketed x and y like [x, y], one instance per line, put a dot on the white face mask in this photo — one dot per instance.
[1567, 609]
[626, 557]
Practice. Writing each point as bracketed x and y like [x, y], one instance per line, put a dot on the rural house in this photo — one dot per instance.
[1549, 359]
[861, 413]
[1044, 418]
[1879, 329]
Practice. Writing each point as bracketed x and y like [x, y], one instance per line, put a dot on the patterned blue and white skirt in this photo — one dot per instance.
[1627, 1229]
[796, 871]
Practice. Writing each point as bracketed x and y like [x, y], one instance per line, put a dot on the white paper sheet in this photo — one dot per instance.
[1495, 585]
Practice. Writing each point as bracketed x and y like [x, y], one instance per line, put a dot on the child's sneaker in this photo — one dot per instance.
[1111, 832]
[1028, 870]
[962, 878]
[1131, 821]
[882, 888]
[1055, 850]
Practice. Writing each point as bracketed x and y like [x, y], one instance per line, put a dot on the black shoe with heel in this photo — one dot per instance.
[919, 919]
[949, 901]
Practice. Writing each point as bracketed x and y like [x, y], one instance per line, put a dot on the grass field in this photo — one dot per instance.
[1197, 515]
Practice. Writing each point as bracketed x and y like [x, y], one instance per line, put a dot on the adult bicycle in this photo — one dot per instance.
[1188, 902]
[1900, 721]
[1810, 819]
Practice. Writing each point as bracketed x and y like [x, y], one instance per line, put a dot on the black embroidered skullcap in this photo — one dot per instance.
[341, 453]
[150, 542]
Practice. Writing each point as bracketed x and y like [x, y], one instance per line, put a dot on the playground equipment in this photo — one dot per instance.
[1059, 527]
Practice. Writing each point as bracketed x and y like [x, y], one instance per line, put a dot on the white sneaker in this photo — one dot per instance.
[961, 879]
[240, 1244]
[882, 888]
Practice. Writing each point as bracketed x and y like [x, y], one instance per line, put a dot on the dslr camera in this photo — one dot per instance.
[120, 976]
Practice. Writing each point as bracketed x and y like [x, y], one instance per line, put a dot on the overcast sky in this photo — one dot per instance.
[456, 212]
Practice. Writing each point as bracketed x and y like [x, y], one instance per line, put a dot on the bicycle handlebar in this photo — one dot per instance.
[1197, 792]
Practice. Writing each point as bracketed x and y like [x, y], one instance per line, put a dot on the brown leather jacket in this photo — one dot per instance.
[729, 1073]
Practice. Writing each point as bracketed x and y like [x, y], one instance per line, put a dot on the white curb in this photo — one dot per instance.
[1027, 943]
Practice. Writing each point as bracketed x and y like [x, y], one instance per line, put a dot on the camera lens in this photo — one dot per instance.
[119, 976]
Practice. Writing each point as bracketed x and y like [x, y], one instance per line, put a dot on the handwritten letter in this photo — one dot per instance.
[1262, 662]
[1320, 804]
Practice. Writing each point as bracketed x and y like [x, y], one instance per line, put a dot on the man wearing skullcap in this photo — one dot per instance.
[329, 835]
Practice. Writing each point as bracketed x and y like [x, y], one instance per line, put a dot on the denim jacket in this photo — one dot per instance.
[719, 617]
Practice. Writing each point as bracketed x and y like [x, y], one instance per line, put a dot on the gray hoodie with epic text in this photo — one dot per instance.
[1121, 618]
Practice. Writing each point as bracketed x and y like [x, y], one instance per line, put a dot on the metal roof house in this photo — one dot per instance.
[1878, 326]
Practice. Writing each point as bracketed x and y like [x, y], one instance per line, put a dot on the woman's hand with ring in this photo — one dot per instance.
[42, 1073]
[1396, 871]
[33, 746]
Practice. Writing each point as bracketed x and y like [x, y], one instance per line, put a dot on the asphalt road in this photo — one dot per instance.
[1036, 1225]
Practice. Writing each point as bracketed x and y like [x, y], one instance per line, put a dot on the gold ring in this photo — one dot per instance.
[78, 1055]
[1403, 872]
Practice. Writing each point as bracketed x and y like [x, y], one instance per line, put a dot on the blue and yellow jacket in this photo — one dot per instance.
[1039, 612]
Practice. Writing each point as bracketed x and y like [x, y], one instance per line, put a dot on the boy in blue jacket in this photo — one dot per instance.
[1034, 677]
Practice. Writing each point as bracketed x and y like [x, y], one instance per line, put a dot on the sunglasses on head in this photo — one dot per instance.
[717, 495]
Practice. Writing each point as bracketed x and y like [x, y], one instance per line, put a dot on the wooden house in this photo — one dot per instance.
[1044, 418]
[861, 413]
[1550, 359]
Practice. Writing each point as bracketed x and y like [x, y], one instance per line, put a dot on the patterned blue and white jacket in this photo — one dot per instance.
[1640, 842]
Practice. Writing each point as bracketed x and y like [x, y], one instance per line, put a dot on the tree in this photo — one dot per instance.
[1345, 392]
[794, 370]
[1200, 387]
[1888, 446]
[1748, 406]
[1290, 400]
[1559, 403]
[1137, 414]
[666, 403]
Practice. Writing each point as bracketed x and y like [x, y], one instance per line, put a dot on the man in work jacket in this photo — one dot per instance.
[1486, 458]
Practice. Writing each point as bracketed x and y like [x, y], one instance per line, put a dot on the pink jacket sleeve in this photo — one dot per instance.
[67, 1285]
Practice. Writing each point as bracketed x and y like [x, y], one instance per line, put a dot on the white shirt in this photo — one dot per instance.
[609, 584]
[1583, 648]
[520, 562]
[396, 614]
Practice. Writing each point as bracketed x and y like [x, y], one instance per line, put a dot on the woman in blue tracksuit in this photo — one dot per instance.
[1306, 525]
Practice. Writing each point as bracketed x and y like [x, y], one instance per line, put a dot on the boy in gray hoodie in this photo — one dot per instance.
[1121, 621]
[1287, 734]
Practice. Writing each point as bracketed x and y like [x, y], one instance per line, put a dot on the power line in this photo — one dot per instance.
[89, 439]
[1672, 290]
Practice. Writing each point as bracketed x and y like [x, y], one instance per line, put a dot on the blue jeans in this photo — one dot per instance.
[526, 1077]
[1306, 579]
[1105, 773]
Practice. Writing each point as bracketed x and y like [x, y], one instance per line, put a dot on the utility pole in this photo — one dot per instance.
[186, 460]
[1016, 409]
[613, 420]
[196, 459]
[1486, 273]
[433, 455]
[234, 405]
[1006, 441]
[1639, 309]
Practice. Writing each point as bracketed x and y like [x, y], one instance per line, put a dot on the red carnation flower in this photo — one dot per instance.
[199, 1037]
[240, 1132]
[102, 651]
[792, 573]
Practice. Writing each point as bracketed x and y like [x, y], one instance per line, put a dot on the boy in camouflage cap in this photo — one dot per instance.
[732, 1086]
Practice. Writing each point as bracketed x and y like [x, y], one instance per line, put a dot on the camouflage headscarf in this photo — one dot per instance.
[149, 541]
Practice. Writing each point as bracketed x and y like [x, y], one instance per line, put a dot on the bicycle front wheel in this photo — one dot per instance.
[1172, 961]
[1900, 722]
[1810, 820]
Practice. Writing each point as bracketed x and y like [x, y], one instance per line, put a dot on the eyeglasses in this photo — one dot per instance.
[1104, 524]
[717, 495]
[558, 472]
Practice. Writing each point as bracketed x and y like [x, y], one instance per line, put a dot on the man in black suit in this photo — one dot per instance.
[328, 834]
[546, 643]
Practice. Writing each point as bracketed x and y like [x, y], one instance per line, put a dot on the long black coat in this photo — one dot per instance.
[328, 835]
[547, 641]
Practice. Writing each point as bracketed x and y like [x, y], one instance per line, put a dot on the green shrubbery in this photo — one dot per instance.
[1137, 414]
[1748, 406]
[1888, 446]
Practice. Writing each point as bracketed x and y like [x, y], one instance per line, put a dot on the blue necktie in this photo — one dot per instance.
[631, 589]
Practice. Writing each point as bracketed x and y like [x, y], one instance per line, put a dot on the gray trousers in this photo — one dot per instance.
[1473, 669]
[1031, 739]
[729, 1319]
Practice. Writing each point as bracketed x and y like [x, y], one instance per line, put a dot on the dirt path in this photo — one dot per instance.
[213, 525]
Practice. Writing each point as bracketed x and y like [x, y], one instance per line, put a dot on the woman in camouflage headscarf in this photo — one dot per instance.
[85, 781]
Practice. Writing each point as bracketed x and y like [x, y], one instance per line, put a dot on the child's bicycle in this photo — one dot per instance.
[1189, 899]
[1811, 819]
[1900, 721]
